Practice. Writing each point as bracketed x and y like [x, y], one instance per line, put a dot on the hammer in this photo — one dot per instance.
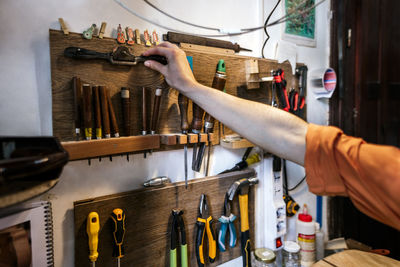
[242, 186]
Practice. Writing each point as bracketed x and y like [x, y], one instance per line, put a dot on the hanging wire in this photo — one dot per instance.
[265, 28]
[283, 19]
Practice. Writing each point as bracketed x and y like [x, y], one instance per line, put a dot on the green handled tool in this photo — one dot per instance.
[118, 217]
[178, 223]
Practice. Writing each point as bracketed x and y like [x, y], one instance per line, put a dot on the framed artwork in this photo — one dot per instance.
[299, 29]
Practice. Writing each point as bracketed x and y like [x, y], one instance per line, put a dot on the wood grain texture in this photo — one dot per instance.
[148, 220]
[94, 148]
[355, 258]
[101, 72]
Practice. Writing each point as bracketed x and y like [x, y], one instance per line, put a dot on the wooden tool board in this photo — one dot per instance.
[148, 221]
[101, 72]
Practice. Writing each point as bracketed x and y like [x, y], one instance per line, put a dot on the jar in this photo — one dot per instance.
[264, 257]
[291, 254]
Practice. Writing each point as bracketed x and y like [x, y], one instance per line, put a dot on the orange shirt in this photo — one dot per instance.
[337, 164]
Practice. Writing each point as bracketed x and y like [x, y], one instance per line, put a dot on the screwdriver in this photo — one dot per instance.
[92, 230]
[183, 107]
[219, 84]
[118, 217]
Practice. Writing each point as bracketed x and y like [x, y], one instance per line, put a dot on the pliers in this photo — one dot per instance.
[227, 220]
[178, 223]
[204, 222]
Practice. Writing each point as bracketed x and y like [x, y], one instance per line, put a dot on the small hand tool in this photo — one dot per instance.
[197, 125]
[147, 41]
[130, 36]
[120, 55]
[291, 205]
[227, 220]
[102, 29]
[204, 226]
[302, 73]
[104, 111]
[156, 110]
[137, 35]
[155, 38]
[87, 111]
[77, 88]
[88, 34]
[157, 181]
[219, 84]
[244, 163]
[120, 35]
[144, 114]
[113, 118]
[242, 186]
[175, 37]
[97, 112]
[280, 86]
[183, 103]
[126, 110]
[118, 232]
[293, 101]
[92, 230]
[178, 224]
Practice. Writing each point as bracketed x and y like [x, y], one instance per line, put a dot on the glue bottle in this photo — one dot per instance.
[306, 237]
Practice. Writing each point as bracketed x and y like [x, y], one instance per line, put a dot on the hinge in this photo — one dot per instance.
[355, 113]
[349, 37]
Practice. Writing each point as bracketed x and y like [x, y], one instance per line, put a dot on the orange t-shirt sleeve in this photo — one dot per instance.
[337, 164]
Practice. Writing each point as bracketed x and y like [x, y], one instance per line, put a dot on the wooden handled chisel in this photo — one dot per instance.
[183, 108]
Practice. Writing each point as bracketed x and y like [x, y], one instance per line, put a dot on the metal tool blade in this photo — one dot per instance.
[208, 160]
[200, 156]
[186, 167]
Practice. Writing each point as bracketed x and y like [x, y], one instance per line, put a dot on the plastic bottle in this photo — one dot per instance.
[306, 237]
[319, 242]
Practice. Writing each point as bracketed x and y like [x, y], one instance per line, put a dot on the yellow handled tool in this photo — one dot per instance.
[92, 229]
[118, 217]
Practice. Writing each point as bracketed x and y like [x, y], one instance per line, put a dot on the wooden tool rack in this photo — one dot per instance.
[240, 77]
[148, 221]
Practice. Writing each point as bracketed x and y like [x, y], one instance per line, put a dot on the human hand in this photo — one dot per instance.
[177, 72]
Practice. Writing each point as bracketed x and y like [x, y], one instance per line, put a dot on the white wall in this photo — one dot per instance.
[25, 101]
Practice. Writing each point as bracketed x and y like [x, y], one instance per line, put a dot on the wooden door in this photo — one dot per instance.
[365, 52]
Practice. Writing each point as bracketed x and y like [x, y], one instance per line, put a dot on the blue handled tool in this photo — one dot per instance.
[226, 220]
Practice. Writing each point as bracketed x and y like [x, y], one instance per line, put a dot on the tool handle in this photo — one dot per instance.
[118, 218]
[92, 230]
[173, 258]
[104, 111]
[183, 103]
[156, 108]
[201, 225]
[113, 118]
[87, 110]
[144, 110]
[160, 59]
[197, 122]
[219, 84]
[184, 256]
[212, 243]
[77, 88]
[97, 112]
[222, 233]
[232, 234]
[282, 96]
[126, 110]
[77, 52]
[244, 228]
[246, 248]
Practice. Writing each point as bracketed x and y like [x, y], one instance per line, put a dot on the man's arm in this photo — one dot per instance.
[275, 130]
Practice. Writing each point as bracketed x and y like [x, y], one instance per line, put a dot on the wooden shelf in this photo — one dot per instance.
[235, 144]
[104, 147]
[182, 139]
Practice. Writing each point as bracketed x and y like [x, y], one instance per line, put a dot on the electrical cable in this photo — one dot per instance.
[298, 184]
[242, 31]
[285, 181]
[265, 28]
